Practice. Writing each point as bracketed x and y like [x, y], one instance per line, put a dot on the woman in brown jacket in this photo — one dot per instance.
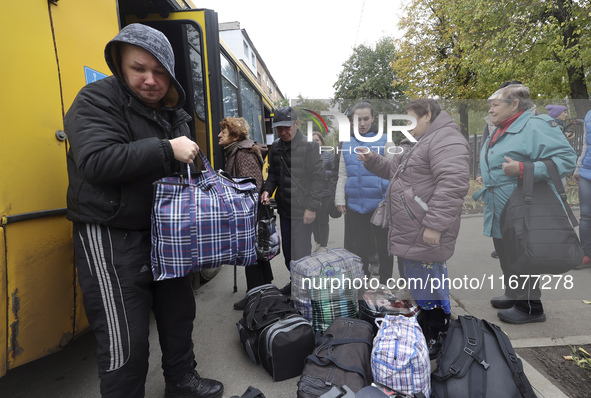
[428, 182]
[244, 159]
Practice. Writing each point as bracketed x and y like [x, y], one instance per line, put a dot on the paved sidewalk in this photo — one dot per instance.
[71, 373]
[568, 318]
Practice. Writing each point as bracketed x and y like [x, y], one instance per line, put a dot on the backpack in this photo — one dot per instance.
[265, 305]
[478, 360]
[537, 234]
[341, 357]
[400, 357]
[284, 345]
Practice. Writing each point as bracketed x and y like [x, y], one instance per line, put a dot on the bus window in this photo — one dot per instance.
[194, 41]
[229, 88]
[252, 109]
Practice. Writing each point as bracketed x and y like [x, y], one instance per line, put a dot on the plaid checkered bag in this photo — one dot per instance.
[202, 222]
[332, 297]
[303, 270]
[400, 357]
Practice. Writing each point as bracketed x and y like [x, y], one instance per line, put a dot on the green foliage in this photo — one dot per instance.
[465, 49]
[281, 103]
[302, 105]
[368, 74]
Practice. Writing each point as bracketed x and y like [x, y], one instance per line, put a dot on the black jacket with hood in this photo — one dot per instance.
[118, 145]
[296, 171]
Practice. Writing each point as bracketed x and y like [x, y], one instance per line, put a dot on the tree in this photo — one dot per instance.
[430, 62]
[368, 74]
[466, 49]
[305, 108]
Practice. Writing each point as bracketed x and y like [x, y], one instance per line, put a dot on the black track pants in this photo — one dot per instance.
[119, 292]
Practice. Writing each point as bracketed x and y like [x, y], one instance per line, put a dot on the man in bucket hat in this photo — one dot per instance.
[296, 171]
[125, 132]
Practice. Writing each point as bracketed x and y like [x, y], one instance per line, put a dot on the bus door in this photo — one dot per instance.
[195, 40]
[39, 306]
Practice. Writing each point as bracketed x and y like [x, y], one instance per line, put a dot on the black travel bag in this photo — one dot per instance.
[265, 305]
[284, 345]
[341, 357]
[537, 234]
[478, 360]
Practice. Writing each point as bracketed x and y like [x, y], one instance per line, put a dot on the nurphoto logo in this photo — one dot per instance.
[345, 131]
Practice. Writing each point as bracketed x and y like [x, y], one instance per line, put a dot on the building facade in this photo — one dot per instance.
[243, 48]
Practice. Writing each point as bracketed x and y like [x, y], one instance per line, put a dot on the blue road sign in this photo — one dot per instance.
[92, 75]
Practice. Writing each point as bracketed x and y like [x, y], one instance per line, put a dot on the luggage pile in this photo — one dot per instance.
[382, 352]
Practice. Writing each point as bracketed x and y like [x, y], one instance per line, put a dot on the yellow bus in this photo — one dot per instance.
[50, 49]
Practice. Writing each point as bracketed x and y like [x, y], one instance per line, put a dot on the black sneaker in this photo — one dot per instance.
[516, 317]
[494, 254]
[240, 305]
[502, 302]
[194, 386]
[286, 290]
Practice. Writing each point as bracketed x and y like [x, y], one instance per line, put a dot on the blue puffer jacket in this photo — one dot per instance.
[364, 190]
[585, 170]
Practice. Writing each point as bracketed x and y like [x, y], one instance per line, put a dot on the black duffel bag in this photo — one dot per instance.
[265, 305]
[284, 345]
[537, 234]
[341, 357]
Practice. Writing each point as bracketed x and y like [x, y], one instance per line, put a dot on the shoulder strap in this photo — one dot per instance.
[304, 190]
[528, 191]
[528, 184]
[249, 316]
[472, 345]
[519, 376]
[402, 168]
[555, 177]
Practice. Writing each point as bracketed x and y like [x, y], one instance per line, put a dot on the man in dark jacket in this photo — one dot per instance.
[125, 132]
[296, 171]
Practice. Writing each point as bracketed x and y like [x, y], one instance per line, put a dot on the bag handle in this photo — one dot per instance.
[553, 170]
[528, 186]
[328, 341]
[267, 210]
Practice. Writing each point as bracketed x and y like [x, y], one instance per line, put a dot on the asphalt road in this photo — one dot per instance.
[71, 373]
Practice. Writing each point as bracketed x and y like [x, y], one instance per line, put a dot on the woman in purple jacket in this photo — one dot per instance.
[428, 182]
